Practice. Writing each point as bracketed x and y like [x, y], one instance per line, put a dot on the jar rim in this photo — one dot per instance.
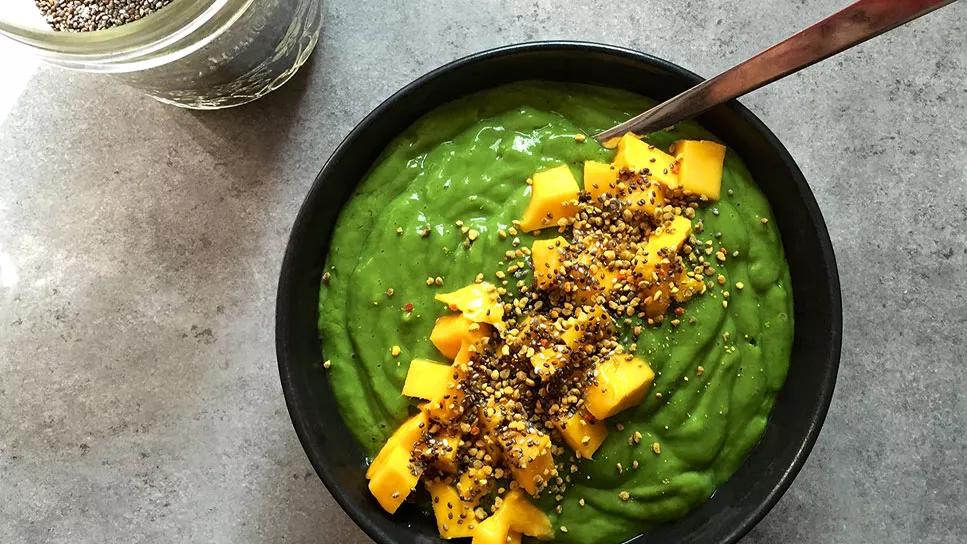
[125, 47]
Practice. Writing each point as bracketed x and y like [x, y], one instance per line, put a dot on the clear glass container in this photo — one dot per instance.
[202, 54]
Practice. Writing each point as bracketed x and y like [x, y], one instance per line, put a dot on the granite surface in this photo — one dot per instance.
[140, 246]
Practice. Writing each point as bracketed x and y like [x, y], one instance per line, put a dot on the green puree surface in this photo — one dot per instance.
[468, 160]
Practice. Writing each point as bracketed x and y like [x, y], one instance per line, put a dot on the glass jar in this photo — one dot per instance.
[201, 54]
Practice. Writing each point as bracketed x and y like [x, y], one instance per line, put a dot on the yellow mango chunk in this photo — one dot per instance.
[448, 405]
[479, 303]
[525, 518]
[599, 178]
[611, 142]
[451, 331]
[649, 200]
[601, 282]
[687, 287]
[583, 321]
[584, 436]
[426, 379]
[677, 286]
[547, 361]
[663, 246]
[474, 483]
[447, 446]
[462, 358]
[658, 301]
[553, 193]
[700, 166]
[532, 464]
[405, 436]
[670, 236]
[622, 381]
[491, 416]
[571, 336]
[515, 516]
[394, 480]
[636, 155]
[546, 258]
[493, 530]
[454, 517]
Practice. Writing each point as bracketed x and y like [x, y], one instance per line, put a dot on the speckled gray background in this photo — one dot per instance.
[140, 245]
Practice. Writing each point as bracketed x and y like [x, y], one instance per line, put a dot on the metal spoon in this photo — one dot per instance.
[852, 25]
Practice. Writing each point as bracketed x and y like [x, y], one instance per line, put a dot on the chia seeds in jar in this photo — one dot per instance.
[91, 15]
[201, 54]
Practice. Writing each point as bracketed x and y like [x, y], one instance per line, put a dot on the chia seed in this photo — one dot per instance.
[91, 15]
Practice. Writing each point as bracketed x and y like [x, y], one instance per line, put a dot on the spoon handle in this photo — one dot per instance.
[853, 24]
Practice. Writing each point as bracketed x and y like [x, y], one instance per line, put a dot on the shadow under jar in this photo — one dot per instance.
[200, 54]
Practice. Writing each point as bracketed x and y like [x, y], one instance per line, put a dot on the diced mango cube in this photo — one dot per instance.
[636, 155]
[670, 236]
[523, 517]
[687, 287]
[479, 303]
[448, 406]
[426, 379]
[405, 436]
[547, 361]
[663, 246]
[583, 321]
[601, 280]
[649, 200]
[601, 284]
[446, 447]
[463, 357]
[622, 381]
[474, 483]
[570, 336]
[584, 434]
[599, 178]
[491, 416]
[454, 517]
[546, 258]
[451, 331]
[553, 195]
[700, 166]
[392, 483]
[657, 301]
[515, 515]
[675, 285]
[493, 530]
[611, 142]
[532, 463]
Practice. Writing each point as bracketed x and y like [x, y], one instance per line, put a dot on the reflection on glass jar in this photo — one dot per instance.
[202, 54]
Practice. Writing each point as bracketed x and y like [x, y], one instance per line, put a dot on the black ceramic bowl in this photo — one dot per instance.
[801, 406]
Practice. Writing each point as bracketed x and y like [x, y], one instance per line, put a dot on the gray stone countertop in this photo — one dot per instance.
[140, 246]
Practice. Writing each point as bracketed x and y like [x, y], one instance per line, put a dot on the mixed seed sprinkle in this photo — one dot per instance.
[502, 411]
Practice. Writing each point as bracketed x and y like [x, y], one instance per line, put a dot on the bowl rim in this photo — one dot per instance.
[286, 279]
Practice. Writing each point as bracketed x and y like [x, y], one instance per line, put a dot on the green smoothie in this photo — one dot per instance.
[718, 371]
